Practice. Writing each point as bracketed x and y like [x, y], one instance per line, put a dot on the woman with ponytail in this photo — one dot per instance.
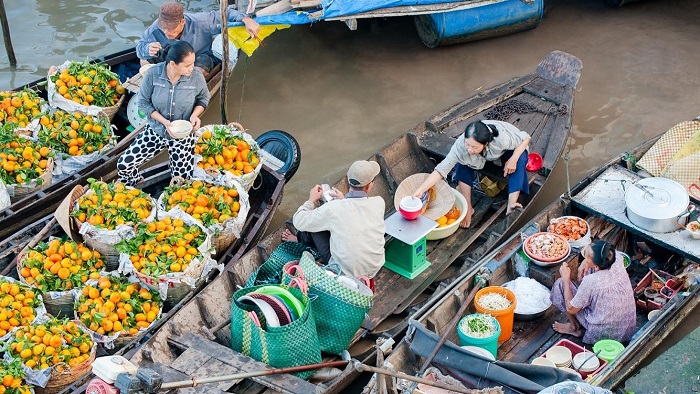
[603, 303]
[482, 141]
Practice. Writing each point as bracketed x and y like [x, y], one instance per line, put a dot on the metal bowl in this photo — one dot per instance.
[532, 316]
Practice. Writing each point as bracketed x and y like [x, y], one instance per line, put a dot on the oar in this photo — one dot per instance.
[449, 327]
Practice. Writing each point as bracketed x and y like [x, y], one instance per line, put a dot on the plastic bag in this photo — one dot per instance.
[217, 48]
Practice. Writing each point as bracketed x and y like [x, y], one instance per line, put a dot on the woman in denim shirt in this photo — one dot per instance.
[170, 91]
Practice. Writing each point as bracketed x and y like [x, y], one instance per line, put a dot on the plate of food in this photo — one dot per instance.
[547, 248]
[572, 228]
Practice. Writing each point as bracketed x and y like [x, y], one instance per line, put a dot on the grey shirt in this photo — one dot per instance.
[509, 137]
[176, 102]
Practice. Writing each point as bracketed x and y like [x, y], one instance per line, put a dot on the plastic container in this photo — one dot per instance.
[506, 316]
[107, 368]
[609, 349]
[444, 232]
[410, 207]
[487, 343]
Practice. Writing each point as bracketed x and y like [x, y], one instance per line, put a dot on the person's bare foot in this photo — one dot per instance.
[467, 221]
[513, 207]
[288, 236]
[567, 328]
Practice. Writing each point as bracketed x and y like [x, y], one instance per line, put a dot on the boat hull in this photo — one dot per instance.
[492, 20]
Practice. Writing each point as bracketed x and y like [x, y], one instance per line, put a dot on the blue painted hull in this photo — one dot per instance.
[492, 20]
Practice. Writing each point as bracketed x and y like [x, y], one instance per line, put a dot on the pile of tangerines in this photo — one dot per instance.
[17, 305]
[22, 160]
[210, 204]
[19, 107]
[449, 218]
[115, 305]
[12, 376]
[59, 265]
[74, 133]
[225, 152]
[163, 246]
[107, 205]
[89, 84]
[52, 343]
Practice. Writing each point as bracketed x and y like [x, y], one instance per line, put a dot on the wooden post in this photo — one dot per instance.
[224, 61]
[6, 34]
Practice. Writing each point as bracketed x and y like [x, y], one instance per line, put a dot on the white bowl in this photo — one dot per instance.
[559, 355]
[446, 231]
[591, 363]
[267, 310]
[695, 232]
[180, 128]
[543, 361]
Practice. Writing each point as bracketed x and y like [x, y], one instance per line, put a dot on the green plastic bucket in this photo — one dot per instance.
[488, 343]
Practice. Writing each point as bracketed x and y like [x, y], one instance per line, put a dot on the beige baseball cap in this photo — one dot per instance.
[362, 172]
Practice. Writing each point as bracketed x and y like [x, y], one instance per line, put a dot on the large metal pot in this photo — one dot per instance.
[656, 204]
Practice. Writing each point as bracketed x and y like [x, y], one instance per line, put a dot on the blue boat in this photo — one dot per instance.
[438, 22]
[486, 21]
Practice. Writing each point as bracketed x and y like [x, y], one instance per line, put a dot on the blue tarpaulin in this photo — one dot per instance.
[340, 8]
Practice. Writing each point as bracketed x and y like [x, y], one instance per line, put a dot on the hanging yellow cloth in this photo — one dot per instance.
[242, 39]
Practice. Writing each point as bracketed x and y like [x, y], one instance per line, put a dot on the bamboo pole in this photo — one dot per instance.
[224, 61]
[6, 34]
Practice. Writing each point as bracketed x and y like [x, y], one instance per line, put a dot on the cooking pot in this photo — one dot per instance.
[656, 204]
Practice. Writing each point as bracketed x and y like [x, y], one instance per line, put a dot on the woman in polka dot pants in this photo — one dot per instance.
[169, 91]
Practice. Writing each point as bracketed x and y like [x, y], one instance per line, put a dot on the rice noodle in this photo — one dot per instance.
[530, 295]
[493, 301]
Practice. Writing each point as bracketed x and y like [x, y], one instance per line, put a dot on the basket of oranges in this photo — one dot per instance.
[25, 166]
[86, 87]
[56, 352]
[224, 153]
[19, 305]
[106, 213]
[114, 310]
[222, 210]
[55, 268]
[169, 255]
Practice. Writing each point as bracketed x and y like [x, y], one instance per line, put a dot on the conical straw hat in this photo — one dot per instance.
[444, 197]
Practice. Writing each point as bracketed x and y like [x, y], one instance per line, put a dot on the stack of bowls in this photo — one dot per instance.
[560, 356]
[585, 362]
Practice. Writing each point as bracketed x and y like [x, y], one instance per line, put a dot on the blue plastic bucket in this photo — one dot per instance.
[488, 343]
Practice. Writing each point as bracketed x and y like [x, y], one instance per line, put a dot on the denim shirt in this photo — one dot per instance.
[177, 102]
[199, 31]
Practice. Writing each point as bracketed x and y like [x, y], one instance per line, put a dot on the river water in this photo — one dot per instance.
[344, 94]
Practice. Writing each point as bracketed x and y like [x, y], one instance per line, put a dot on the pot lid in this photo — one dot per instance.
[657, 198]
[608, 348]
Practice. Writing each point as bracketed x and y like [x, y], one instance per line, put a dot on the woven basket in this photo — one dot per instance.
[32, 187]
[176, 290]
[58, 101]
[60, 307]
[108, 252]
[60, 380]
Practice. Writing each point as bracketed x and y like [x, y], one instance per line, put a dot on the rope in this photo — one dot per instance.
[240, 105]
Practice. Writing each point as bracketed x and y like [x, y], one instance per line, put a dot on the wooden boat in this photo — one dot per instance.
[28, 210]
[193, 340]
[670, 252]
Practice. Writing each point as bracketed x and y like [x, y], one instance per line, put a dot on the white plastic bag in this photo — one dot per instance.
[4, 196]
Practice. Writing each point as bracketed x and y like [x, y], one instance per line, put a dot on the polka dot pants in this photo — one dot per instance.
[148, 144]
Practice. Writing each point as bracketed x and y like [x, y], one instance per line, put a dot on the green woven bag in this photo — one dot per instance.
[270, 271]
[286, 346]
[339, 311]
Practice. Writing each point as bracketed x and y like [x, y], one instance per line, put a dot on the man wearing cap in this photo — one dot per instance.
[348, 230]
[198, 29]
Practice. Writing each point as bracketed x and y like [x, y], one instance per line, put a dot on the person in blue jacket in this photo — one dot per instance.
[198, 29]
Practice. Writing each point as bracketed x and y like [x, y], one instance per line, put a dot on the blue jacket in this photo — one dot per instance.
[199, 31]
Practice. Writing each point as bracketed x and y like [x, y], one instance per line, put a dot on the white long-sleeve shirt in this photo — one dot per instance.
[357, 231]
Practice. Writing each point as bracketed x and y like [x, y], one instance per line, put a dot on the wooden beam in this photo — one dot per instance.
[224, 61]
[6, 34]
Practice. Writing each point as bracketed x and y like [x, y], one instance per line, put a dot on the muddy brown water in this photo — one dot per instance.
[344, 94]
